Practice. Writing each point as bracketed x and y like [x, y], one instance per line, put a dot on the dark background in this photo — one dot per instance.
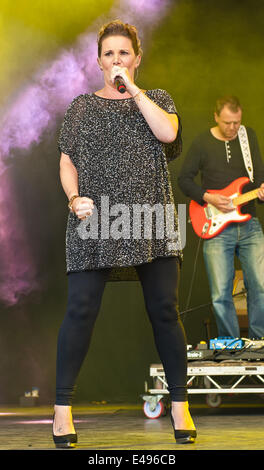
[200, 50]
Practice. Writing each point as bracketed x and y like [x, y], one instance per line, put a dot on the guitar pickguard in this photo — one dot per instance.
[208, 221]
[218, 218]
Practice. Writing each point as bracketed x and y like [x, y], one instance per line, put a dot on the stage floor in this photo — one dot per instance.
[235, 425]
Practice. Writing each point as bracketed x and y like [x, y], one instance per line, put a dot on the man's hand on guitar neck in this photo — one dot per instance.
[222, 203]
[261, 192]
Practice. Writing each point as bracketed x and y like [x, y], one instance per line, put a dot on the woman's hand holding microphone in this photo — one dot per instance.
[82, 207]
[123, 74]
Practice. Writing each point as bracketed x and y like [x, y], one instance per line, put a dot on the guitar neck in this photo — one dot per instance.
[243, 198]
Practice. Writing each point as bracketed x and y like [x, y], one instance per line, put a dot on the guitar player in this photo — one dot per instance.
[221, 155]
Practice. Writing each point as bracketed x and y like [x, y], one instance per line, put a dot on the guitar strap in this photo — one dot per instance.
[244, 144]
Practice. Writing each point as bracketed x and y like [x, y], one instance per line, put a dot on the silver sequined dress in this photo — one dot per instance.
[124, 169]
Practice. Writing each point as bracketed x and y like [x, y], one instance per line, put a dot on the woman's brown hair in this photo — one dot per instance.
[118, 28]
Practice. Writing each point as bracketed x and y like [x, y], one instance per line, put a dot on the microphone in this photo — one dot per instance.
[120, 85]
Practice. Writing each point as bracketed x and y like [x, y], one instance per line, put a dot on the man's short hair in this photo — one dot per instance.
[232, 102]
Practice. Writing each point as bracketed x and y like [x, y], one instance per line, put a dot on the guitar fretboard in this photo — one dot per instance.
[245, 197]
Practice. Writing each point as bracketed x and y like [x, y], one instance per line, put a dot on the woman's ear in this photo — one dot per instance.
[99, 63]
[138, 60]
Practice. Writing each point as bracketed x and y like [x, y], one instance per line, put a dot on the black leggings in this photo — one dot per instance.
[159, 280]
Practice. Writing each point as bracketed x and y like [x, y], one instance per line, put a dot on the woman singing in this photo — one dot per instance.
[115, 149]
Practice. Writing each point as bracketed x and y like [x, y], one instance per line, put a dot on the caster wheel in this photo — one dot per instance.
[155, 413]
[213, 400]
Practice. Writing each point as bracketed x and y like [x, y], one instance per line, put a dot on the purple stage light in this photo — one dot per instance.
[37, 106]
[18, 275]
[74, 72]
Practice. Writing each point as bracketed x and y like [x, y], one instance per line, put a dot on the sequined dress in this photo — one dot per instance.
[124, 168]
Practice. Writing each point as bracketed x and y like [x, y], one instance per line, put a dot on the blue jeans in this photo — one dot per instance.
[245, 240]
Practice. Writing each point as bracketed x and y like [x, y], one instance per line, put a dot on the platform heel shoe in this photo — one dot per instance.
[183, 436]
[66, 441]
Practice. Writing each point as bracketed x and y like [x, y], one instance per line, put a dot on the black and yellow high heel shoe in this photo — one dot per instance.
[66, 441]
[183, 436]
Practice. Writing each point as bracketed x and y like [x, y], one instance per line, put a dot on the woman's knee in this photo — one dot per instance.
[84, 295]
[82, 306]
[163, 309]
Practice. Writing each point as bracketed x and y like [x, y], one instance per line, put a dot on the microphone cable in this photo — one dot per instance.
[192, 281]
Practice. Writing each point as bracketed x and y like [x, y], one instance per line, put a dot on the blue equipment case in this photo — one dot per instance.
[226, 342]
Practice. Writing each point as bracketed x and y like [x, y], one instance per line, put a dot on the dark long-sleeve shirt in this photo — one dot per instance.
[218, 167]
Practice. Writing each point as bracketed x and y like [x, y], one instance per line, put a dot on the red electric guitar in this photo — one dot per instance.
[208, 221]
